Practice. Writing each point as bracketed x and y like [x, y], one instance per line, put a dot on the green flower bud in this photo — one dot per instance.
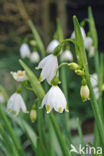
[73, 66]
[33, 115]
[80, 72]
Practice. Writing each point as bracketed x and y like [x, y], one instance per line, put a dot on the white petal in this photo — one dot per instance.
[11, 102]
[88, 42]
[94, 79]
[96, 92]
[43, 62]
[24, 50]
[23, 106]
[91, 51]
[52, 45]
[16, 104]
[49, 69]
[34, 57]
[82, 31]
[67, 56]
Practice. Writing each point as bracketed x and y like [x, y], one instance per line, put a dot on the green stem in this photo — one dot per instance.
[97, 114]
[63, 146]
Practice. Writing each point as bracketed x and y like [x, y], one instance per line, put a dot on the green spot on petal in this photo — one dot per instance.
[67, 110]
[14, 112]
[60, 109]
[9, 110]
[48, 108]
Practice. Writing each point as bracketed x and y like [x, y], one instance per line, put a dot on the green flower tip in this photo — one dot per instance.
[48, 108]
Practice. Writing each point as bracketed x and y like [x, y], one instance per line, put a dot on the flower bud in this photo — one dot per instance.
[73, 66]
[33, 115]
[79, 72]
[84, 92]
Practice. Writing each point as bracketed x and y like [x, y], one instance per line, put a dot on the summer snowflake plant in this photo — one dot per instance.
[53, 130]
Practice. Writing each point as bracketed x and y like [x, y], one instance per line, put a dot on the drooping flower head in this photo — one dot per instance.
[34, 57]
[49, 66]
[55, 99]
[15, 103]
[24, 51]
[67, 56]
[52, 45]
[19, 76]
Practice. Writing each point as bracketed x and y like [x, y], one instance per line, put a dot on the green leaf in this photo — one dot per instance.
[37, 88]
[79, 46]
[37, 38]
[92, 28]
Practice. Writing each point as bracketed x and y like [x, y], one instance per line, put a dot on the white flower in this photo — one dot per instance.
[94, 79]
[15, 103]
[34, 57]
[94, 82]
[24, 50]
[82, 31]
[49, 66]
[19, 76]
[2, 99]
[88, 42]
[52, 45]
[84, 92]
[67, 56]
[55, 99]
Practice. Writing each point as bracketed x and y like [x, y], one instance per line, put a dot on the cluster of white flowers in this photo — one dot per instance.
[26, 53]
[88, 42]
[54, 97]
[65, 55]
[2, 99]
[94, 82]
[16, 102]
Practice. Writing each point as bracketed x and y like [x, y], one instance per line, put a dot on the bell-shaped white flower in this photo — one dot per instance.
[82, 31]
[34, 57]
[66, 56]
[52, 45]
[55, 99]
[94, 79]
[2, 99]
[49, 66]
[19, 76]
[24, 50]
[84, 92]
[88, 42]
[15, 103]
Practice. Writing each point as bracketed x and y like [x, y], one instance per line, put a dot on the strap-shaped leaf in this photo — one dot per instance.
[92, 28]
